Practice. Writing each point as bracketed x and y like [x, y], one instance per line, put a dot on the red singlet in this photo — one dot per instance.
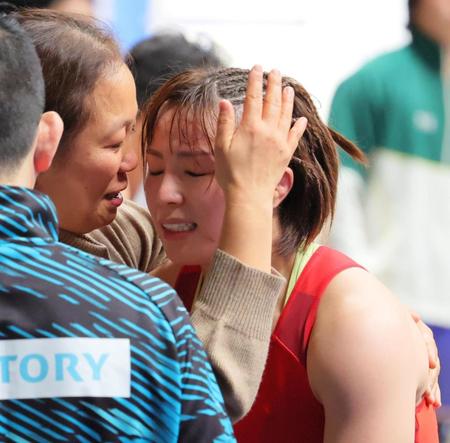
[285, 409]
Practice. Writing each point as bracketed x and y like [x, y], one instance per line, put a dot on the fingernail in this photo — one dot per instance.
[257, 68]
[289, 91]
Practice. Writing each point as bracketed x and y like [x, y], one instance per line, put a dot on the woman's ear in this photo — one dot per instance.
[283, 188]
[49, 134]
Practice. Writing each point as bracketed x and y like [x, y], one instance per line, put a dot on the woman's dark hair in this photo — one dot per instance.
[75, 51]
[195, 95]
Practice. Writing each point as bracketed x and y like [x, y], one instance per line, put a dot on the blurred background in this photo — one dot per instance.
[394, 216]
[318, 42]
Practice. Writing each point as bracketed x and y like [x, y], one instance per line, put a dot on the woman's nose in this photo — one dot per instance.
[170, 191]
[130, 158]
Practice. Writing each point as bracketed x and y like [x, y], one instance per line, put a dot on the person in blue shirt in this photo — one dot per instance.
[89, 350]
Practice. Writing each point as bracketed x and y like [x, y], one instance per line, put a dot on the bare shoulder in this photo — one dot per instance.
[363, 330]
[365, 352]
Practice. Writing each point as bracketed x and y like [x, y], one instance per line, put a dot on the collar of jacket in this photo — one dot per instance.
[27, 214]
[427, 48]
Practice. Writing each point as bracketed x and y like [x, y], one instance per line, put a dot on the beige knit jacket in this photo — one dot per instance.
[232, 314]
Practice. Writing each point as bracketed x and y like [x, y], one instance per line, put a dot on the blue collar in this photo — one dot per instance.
[26, 214]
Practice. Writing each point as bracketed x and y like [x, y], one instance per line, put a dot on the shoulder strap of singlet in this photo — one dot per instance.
[186, 284]
[297, 320]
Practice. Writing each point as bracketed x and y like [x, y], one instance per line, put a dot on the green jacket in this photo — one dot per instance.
[395, 215]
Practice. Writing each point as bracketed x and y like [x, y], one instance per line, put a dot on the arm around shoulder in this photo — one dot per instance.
[366, 362]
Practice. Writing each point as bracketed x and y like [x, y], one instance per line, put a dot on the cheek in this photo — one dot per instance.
[95, 176]
[151, 188]
[215, 213]
[103, 167]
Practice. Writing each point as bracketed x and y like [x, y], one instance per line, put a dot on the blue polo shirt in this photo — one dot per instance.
[92, 351]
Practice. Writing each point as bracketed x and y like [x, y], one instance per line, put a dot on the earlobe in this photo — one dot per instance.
[283, 188]
[49, 134]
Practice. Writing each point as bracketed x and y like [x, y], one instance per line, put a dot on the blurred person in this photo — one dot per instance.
[396, 108]
[153, 61]
[341, 340]
[90, 350]
[157, 58]
[90, 86]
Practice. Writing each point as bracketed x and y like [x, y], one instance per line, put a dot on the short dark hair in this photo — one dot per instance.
[157, 58]
[75, 51]
[310, 203]
[22, 93]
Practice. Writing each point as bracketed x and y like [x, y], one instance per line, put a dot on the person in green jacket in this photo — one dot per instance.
[394, 216]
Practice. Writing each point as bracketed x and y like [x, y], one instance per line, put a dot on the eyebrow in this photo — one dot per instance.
[118, 126]
[182, 154]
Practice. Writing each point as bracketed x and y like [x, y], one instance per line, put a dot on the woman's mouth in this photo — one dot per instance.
[179, 227]
[115, 198]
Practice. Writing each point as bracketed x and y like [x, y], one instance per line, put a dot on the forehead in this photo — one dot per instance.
[181, 127]
[114, 96]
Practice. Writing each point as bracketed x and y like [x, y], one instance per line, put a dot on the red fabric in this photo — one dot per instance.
[186, 284]
[285, 409]
[426, 424]
[295, 414]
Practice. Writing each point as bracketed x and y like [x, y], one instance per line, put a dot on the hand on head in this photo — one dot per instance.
[254, 156]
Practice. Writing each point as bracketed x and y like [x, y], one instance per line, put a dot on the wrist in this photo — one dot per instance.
[249, 202]
[247, 232]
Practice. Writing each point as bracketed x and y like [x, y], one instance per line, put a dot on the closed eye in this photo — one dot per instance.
[116, 145]
[155, 173]
[198, 174]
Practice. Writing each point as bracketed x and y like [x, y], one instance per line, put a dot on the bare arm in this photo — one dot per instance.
[367, 362]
